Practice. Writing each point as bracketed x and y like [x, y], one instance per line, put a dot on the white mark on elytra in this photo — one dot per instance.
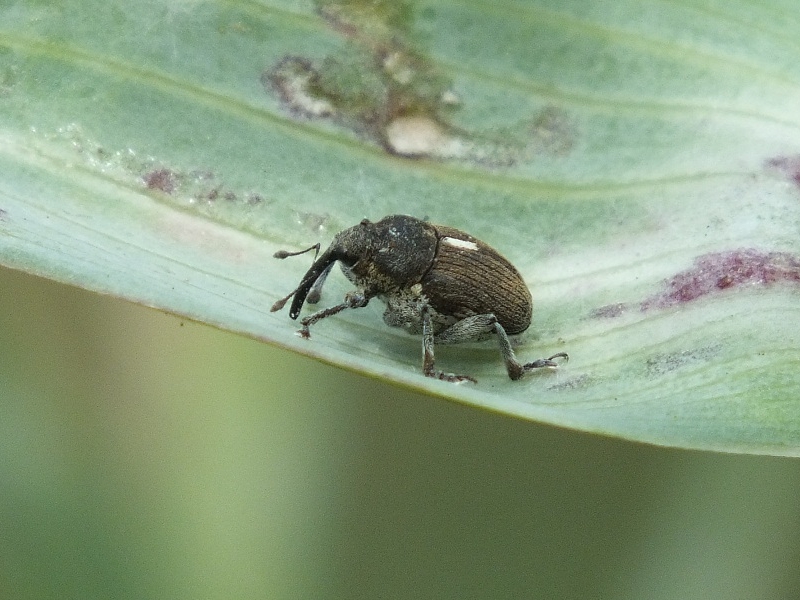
[457, 243]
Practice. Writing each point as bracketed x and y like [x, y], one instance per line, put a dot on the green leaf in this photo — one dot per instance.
[638, 161]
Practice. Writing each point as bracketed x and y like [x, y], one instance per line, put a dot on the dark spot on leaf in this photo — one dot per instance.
[570, 384]
[662, 363]
[197, 186]
[609, 311]
[552, 132]
[719, 271]
[788, 166]
[9, 78]
[314, 222]
[160, 179]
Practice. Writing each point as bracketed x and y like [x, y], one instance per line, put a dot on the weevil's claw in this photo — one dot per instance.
[545, 362]
[304, 333]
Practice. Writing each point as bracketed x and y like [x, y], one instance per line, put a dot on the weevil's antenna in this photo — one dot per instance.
[330, 256]
[281, 303]
[286, 254]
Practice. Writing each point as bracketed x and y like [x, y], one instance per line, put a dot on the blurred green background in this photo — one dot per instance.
[147, 457]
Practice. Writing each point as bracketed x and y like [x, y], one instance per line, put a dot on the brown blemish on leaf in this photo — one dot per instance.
[788, 166]
[163, 180]
[384, 88]
[374, 91]
[659, 364]
[196, 185]
[609, 311]
[552, 132]
[186, 188]
[216, 193]
[581, 381]
[719, 271]
[296, 82]
[375, 23]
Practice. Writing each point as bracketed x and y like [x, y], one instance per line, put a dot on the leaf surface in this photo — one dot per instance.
[639, 163]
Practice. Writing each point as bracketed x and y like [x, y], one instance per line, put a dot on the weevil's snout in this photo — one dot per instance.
[348, 247]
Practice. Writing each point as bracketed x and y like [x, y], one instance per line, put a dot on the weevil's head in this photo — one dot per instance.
[390, 255]
[348, 247]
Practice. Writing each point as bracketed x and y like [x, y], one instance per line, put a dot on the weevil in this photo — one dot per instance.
[436, 281]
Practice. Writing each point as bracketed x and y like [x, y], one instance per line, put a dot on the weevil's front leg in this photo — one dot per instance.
[427, 354]
[354, 299]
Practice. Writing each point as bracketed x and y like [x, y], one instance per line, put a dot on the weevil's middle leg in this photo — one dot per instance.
[428, 359]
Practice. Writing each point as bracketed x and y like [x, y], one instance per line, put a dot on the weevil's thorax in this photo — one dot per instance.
[390, 255]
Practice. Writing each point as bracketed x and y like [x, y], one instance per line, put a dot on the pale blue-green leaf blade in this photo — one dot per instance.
[638, 162]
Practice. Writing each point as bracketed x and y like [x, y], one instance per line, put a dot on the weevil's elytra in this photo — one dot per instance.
[435, 281]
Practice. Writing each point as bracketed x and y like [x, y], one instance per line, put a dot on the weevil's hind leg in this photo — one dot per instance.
[354, 299]
[428, 360]
[473, 328]
[514, 368]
